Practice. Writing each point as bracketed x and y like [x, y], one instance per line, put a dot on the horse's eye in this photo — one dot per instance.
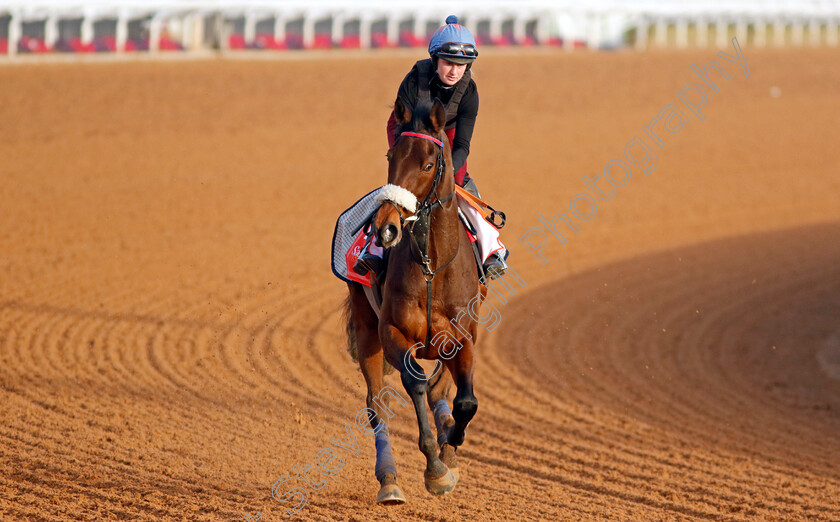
[428, 167]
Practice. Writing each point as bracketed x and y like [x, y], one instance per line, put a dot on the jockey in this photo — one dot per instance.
[445, 75]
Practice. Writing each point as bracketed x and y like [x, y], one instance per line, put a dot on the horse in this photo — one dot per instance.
[430, 294]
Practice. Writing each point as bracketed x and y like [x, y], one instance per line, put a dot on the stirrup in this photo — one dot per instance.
[368, 263]
[495, 267]
[494, 272]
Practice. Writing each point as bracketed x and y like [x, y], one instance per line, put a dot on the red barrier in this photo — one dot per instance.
[28, 44]
[351, 42]
[105, 44]
[168, 44]
[409, 39]
[322, 41]
[236, 41]
[77, 46]
[380, 41]
[267, 41]
[503, 41]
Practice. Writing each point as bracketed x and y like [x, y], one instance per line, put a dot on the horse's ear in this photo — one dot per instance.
[402, 114]
[437, 116]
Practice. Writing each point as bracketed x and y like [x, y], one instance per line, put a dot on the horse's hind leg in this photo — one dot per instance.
[378, 402]
[378, 397]
[439, 386]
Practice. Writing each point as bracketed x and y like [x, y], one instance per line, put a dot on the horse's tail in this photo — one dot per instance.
[350, 329]
[352, 343]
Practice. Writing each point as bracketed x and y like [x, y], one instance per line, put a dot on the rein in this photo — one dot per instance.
[420, 228]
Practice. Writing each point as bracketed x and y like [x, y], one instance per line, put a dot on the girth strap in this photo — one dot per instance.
[429, 276]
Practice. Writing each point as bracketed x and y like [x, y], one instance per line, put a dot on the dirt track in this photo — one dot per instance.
[170, 334]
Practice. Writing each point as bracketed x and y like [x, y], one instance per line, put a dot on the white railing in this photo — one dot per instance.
[597, 24]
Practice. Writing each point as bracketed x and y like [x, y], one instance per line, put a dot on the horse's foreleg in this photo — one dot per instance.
[439, 386]
[438, 478]
[465, 404]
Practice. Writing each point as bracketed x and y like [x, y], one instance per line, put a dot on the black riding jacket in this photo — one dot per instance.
[463, 118]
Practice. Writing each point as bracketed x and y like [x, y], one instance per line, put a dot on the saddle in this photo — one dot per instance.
[349, 239]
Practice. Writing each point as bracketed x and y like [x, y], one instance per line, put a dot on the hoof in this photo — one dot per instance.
[442, 485]
[390, 495]
[456, 472]
[447, 456]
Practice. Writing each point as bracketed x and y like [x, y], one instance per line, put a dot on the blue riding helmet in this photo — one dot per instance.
[453, 42]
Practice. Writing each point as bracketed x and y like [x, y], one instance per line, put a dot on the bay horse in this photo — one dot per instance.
[430, 294]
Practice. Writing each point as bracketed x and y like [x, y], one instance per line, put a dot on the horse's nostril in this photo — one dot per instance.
[389, 234]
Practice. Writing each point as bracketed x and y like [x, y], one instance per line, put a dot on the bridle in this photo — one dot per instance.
[441, 169]
[419, 227]
[419, 223]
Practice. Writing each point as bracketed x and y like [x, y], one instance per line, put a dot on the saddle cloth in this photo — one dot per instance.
[349, 236]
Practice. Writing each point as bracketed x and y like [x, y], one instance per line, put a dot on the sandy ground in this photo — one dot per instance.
[170, 331]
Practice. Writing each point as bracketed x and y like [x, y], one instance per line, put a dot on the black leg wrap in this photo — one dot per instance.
[465, 410]
[463, 413]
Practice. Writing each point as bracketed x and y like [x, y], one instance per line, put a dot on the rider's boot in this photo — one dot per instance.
[368, 261]
[495, 266]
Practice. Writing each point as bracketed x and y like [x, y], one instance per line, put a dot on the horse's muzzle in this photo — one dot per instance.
[388, 236]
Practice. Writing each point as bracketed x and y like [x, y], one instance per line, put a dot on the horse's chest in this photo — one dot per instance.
[411, 307]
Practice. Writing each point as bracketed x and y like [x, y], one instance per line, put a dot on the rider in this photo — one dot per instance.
[445, 76]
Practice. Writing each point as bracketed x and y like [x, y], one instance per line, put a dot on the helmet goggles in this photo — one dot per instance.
[457, 52]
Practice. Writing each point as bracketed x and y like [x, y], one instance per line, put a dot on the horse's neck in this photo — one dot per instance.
[443, 231]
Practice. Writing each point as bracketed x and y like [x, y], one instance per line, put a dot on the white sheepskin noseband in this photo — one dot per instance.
[398, 195]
